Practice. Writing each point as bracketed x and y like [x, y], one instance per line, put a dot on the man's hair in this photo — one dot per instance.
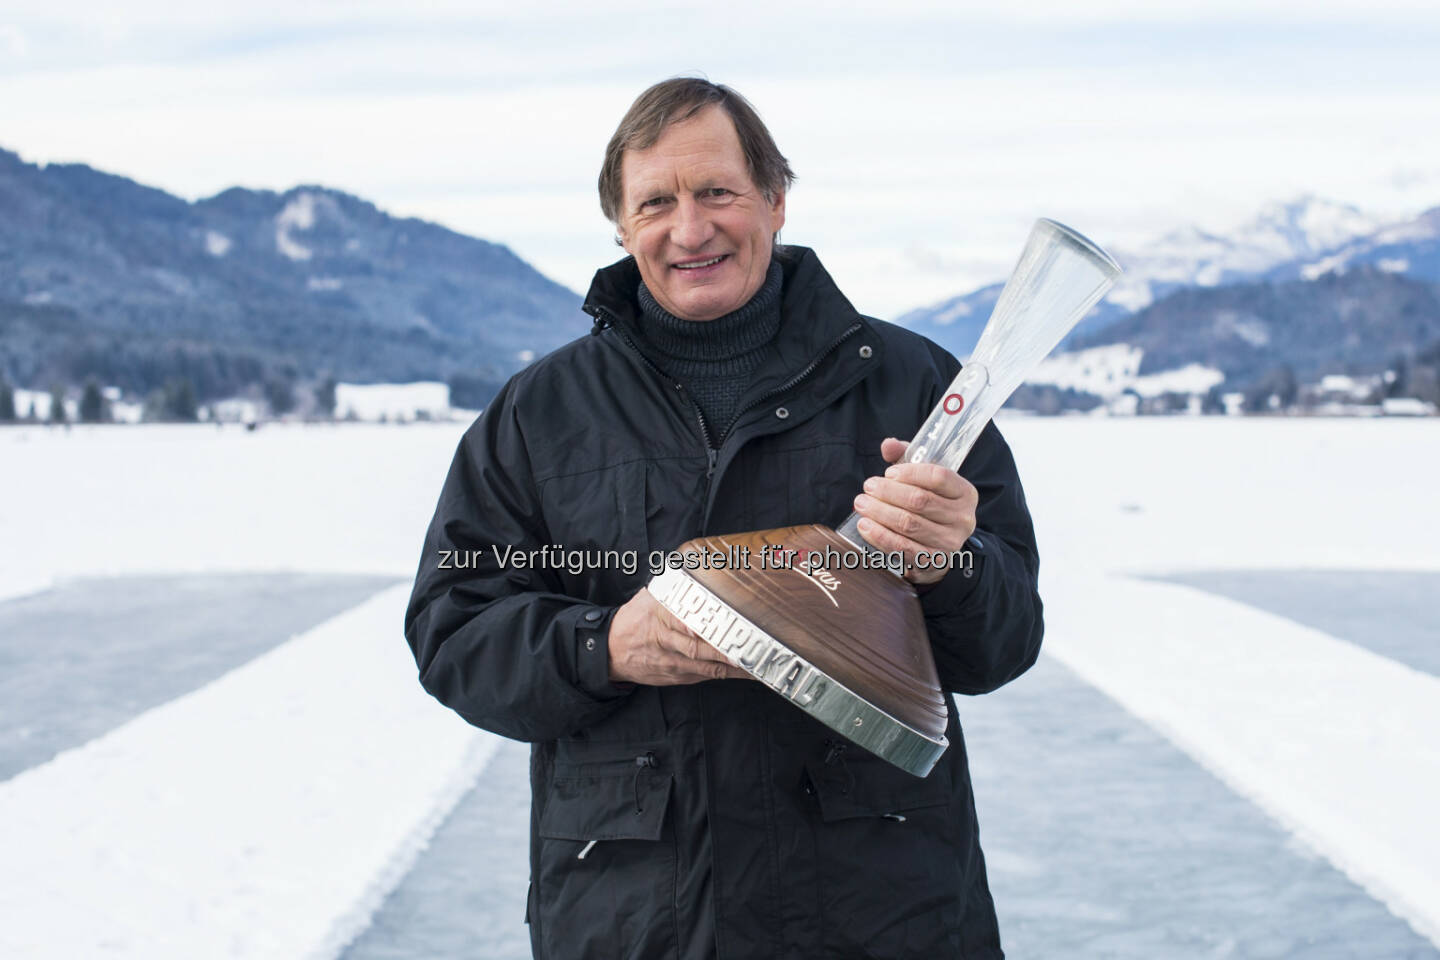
[673, 101]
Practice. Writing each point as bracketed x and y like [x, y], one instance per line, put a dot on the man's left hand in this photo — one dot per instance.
[915, 508]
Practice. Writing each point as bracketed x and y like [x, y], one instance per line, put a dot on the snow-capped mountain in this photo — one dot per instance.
[1411, 247]
[1300, 230]
[1309, 286]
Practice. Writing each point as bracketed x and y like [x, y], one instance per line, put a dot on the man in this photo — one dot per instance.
[678, 808]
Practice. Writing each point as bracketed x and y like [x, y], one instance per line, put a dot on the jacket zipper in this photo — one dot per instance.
[788, 385]
[800, 377]
[712, 454]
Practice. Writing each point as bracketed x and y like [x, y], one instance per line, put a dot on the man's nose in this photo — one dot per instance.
[692, 227]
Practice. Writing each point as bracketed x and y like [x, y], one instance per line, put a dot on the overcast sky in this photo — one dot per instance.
[926, 138]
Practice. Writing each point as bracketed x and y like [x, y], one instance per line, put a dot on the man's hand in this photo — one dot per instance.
[914, 508]
[649, 645]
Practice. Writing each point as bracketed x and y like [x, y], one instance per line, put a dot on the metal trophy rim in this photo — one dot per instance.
[836, 705]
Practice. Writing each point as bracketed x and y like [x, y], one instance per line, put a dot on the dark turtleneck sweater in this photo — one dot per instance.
[714, 358]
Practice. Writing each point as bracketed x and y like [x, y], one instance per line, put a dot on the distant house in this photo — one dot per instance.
[36, 403]
[1406, 407]
[235, 410]
[392, 402]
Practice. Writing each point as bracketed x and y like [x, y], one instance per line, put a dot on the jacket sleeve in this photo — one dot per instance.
[498, 642]
[986, 621]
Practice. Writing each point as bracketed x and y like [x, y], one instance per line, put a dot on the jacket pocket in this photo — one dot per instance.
[606, 869]
[596, 519]
[897, 832]
[855, 786]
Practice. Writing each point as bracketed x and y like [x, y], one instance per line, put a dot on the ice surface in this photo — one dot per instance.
[88, 655]
[1339, 744]
[264, 815]
[465, 896]
[1104, 840]
[1389, 612]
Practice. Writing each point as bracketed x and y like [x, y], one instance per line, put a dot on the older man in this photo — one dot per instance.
[678, 809]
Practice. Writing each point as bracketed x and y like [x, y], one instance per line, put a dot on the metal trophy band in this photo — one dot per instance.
[845, 641]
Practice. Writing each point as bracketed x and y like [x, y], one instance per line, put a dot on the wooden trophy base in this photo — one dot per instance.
[823, 624]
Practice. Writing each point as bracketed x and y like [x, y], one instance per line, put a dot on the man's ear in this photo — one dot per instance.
[777, 212]
[622, 239]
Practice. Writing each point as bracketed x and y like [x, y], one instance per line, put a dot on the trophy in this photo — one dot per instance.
[822, 617]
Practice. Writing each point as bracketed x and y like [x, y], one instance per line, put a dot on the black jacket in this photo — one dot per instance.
[729, 824]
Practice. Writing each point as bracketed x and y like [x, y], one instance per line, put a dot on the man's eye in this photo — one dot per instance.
[653, 202]
[717, 192]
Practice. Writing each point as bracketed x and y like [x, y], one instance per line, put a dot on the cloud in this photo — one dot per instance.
[926, 140]
[13, 44]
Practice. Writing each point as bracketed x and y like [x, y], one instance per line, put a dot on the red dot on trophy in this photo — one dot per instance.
[954, 403]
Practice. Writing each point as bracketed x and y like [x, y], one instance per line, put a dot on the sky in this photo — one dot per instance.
[926, 137]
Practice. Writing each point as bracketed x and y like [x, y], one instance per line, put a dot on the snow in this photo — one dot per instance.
[298, 214]
[1340, 745]
[1104, 371]
[178, 498]
[1331, 264]
[266, 814]
[1280, 232]
[1192, 378]
[1110, 370]
[1246, 326]
[1132, 294]
[953, 312]
[120, 847]
[392, 401]
[216, 243]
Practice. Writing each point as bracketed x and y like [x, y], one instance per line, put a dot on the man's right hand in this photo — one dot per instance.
[649, 645]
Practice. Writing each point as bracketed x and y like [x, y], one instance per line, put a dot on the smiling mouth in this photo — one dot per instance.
[697, 264]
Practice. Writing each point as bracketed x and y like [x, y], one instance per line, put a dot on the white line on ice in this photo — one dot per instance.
[1335, 741]
[266, 814]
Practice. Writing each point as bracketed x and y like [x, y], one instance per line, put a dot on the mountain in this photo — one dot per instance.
[1294, 232]
[103, 277]
[1411, 248]
[1357, 322]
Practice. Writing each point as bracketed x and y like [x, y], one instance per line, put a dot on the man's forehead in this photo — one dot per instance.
[646, 175]
[703, 147]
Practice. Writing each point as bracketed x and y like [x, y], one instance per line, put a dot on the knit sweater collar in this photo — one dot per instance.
[692, 342]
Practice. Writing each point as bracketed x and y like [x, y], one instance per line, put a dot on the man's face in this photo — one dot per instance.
[699, 229]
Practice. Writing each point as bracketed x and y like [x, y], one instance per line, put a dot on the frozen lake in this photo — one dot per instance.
[1395, 613]
[1225, 751]
[87, 655]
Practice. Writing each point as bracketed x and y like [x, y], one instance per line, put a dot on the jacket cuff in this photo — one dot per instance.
[959, 589]
[592, 655]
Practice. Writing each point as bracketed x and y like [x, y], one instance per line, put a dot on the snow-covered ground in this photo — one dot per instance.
[265, 814]
[171, 498]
